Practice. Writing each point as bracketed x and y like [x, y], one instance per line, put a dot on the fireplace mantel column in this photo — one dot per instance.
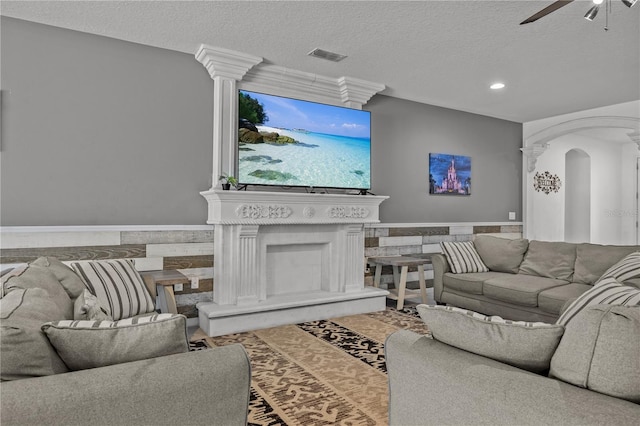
[226, 68]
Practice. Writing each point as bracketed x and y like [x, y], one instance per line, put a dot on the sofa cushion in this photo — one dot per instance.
[463, 257]
[599, 351]
[35, 276]
[501, 254]
[26, 352]
[68, 279]
[625, 269]
[549, 259]
[87, 308]
[90, 344]
[119, 287]
[524, 344]
[553, 299]
[519, 289]
[592, 260]
[468, 283]
[608, 291]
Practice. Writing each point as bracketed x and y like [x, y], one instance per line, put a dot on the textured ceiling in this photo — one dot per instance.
[442, 53]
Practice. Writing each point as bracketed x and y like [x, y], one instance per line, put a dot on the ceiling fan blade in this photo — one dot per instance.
[547, 10]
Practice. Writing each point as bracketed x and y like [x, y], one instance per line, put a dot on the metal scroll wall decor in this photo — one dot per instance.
[546, 182]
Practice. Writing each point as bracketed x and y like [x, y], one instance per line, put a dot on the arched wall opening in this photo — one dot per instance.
[612, 142]
[577, 200]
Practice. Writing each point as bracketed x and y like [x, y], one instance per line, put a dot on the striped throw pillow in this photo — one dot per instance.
[625, 269]
[118, 286]
[606, 292]
[463, 257]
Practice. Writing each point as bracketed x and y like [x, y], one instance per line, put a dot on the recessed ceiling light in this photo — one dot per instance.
[496, 86]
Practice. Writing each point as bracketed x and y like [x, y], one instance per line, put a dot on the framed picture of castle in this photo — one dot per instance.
[449, 174]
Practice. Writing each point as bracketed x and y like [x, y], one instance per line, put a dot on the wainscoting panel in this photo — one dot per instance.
[189, 249]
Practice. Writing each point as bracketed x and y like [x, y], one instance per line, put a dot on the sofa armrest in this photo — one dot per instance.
[440, 267]
[434, 383]
[202, 387]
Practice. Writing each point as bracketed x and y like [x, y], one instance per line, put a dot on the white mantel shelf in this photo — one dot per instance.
[275, 208]
[284, 258]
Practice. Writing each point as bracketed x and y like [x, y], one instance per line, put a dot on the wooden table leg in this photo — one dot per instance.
[402, 287]
[170, 299]
[376, 279]
[423, 284]
[396, 277]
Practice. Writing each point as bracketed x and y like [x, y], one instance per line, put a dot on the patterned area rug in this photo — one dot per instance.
[325, 372]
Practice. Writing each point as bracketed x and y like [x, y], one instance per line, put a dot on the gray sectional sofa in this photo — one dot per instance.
[40, 385]
[527, 280]
[432, 383]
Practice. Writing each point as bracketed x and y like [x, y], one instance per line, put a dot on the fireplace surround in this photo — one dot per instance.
[286, 258]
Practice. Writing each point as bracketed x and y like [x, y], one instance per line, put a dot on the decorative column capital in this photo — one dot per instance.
[532, 153]
[355, 92]
[635, 138]
[226, 63]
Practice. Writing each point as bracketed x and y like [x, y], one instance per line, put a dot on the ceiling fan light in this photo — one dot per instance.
[629, 3]
[591, 13]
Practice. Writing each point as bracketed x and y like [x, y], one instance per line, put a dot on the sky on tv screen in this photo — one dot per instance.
[314, 117]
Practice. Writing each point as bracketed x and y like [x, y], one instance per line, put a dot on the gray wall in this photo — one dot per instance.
[97, 131]
[101, 131]
[403, 135]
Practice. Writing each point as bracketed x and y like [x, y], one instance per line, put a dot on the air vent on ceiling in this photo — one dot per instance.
[325, 54]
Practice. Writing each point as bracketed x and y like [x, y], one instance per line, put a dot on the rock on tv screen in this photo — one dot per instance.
[290, 142]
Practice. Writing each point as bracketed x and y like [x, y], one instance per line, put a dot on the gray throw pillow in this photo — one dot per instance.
[592, 260]
[91, 344]
[549, 259]
[600, 351]
[526, 345]
[68, 279]
[36, 276]
[501, 254]
[26, 352]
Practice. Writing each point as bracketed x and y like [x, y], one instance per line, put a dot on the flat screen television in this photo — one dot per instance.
[291, 142]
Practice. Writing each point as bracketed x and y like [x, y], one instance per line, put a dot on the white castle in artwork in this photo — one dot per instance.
[451, 183]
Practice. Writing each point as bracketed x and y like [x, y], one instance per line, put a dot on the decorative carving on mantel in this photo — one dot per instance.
[351, 212]
[261, 211]
[532, 153]
[308, 212]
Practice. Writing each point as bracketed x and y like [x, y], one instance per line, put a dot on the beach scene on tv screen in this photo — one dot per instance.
[289, 142]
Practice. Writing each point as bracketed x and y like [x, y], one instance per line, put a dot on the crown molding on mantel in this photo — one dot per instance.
[254, 75]
[225, 63]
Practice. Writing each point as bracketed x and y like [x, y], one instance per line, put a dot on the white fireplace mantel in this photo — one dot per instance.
[283, 258]
[273, 208]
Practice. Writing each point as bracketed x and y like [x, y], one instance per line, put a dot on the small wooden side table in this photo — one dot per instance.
[401, 285]
[166, 280]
